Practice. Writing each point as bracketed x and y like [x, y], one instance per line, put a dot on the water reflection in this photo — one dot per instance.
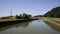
[29, 27]
[23, 24]
[53, 26]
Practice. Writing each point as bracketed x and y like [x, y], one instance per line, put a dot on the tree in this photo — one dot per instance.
[55, 12]
[17, 17]
[23, 16]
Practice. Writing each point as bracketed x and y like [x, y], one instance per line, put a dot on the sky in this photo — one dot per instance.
[33, 7]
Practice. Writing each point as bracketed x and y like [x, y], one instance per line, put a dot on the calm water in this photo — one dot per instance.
[29, 27]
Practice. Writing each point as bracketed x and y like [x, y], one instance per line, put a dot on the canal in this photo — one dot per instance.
[29, 27]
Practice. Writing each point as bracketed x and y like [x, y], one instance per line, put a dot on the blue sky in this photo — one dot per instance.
[33, 7]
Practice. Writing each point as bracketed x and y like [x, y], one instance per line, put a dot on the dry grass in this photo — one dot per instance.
[52, 20]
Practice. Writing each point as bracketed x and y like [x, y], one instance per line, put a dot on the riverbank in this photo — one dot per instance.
[52, 20]
[14, 21]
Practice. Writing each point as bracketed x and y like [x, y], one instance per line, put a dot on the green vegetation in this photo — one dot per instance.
[38, 16]
[54, 26]
[55, 12]
[5, 17]
[23, 16]
[57, 19]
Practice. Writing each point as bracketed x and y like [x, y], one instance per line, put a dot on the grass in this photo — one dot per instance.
[54, 26]
[8, 19]
[57, 19]
[53, 20]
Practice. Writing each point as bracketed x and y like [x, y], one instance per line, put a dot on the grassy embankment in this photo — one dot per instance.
[15, 19]
[12, 20]
[7, 19]
[53, 22]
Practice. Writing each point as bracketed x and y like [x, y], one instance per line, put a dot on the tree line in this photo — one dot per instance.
[21, 16]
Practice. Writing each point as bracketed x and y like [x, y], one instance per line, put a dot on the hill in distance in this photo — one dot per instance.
[55, 12]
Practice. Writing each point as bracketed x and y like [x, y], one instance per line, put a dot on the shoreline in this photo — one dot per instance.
[11, 22]
[56, 22]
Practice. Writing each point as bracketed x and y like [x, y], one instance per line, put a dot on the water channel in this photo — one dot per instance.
[29, 27]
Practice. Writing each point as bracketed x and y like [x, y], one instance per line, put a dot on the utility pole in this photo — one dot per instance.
[11, 13]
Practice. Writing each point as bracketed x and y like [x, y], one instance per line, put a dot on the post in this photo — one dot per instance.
[11, 13]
